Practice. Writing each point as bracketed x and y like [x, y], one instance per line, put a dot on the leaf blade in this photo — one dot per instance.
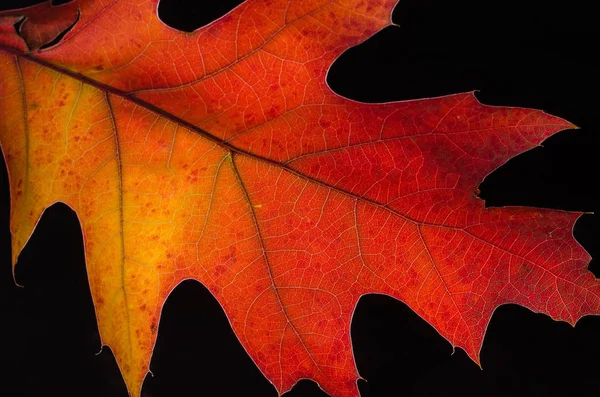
[249, 132]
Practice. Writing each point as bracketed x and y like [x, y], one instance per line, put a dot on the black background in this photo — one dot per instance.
[530, 53]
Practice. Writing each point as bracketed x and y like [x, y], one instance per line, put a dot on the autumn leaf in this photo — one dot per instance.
[222, 156]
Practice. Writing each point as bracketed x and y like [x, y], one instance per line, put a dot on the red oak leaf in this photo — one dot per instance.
[223, 156]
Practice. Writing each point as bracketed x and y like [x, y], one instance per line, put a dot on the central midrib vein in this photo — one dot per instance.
[207, 135]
